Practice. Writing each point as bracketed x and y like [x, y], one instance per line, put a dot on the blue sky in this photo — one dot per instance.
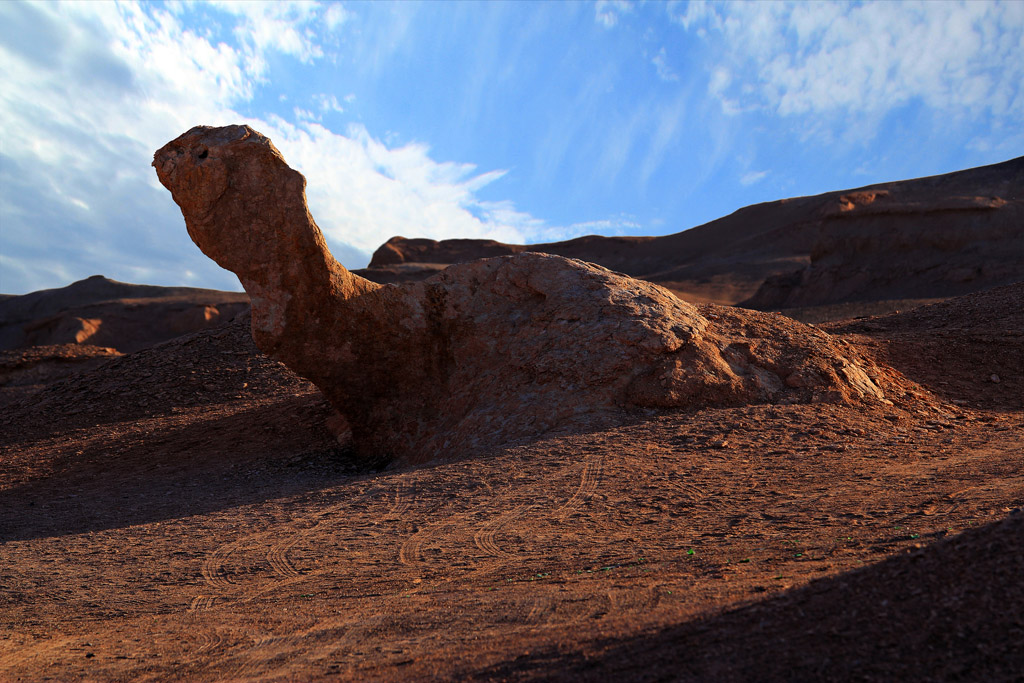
[521, 121]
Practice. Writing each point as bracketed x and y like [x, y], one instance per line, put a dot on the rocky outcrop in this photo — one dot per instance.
[402, 250]
[484, 353]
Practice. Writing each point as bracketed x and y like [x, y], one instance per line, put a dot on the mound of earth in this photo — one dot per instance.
[883, 246]
[931, 237]
[101, 312]
[189, 372]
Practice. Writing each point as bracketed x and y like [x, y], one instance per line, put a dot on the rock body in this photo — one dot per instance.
[485, 353]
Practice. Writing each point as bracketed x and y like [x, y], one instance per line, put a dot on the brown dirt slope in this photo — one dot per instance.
[949, 612]
[182, 513]
[968, 350]
[931, 237]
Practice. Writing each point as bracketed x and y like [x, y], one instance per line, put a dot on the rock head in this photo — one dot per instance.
[484, 353]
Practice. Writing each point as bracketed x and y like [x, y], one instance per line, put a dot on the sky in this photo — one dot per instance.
[523, 121]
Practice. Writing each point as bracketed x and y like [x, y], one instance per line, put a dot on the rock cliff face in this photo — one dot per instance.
[487, 352]
[885, 245]
[926, 238]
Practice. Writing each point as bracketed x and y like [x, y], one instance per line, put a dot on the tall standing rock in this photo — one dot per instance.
[487, 352]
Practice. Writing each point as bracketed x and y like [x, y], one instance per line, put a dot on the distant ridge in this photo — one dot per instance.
[102, 312]
[937, 236]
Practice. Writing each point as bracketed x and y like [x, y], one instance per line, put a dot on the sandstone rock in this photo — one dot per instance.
[484, 353]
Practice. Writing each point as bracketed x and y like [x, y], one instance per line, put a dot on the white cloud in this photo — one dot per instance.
[607, 12]
[284, 27]
[93, 89]
[363, 192]
[752, 177]
[720, 80]
[665, 72]
[865, 59]
[327, 103]
[691, 12]
[336, 15]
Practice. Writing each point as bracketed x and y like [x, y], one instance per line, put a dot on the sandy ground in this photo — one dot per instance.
[181, 513]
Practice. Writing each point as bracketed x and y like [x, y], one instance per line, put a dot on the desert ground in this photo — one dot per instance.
[175, 505]
[184, 512]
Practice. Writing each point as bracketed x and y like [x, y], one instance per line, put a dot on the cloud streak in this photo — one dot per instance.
[93, 88]
[837, 59]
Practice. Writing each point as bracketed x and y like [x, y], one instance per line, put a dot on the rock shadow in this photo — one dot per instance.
[126, 474]
[950, 611]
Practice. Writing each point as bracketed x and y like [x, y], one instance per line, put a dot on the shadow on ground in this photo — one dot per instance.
[138, 472]
[953, 611]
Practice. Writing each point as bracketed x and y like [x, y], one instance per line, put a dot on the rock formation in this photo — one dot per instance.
[484, 353]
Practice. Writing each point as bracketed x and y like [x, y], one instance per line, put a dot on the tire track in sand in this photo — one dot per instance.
[484, 538]
[213, 566]
[411, 551]
[216, 578]
[589, 481]
[200, 603]
[277, 555]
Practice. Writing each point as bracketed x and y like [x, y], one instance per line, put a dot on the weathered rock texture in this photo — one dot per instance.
[487, 352]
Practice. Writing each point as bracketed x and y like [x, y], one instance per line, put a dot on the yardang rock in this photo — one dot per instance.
[484, 353]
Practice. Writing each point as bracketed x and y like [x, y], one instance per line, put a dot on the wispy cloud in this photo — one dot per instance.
[330, 103]
[284, 26]
[665, 72]
[92, 89]
[865, 59]
[607, 12]
[752, 177]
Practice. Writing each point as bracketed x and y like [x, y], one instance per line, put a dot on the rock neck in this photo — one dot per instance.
[246, 209]
[296, 286]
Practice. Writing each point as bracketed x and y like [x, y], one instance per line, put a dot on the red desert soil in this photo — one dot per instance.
[183, 513]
